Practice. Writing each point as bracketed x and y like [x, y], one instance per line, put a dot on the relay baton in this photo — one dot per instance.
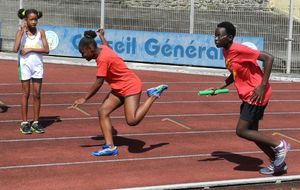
[211, 92]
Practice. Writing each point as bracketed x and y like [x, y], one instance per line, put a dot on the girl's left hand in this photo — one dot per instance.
[100, 31]
[257, 94]
[25, 51]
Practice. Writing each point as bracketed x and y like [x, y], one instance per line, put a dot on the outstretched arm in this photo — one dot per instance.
[93, 90]
[227, 82]
[101, 36]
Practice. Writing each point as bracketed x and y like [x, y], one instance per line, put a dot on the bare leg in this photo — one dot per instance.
[24, 99]
[134, 111]
[111, 103]
[265, 148]
[244, 130]
[37, 86]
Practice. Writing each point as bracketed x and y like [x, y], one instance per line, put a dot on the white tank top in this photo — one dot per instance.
[31, 42]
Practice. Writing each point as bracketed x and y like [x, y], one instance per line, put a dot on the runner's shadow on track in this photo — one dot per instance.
[134, 145]
[46, 121]
[3, 108]
[244, 163]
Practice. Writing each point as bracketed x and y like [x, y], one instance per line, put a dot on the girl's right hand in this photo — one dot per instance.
[213, 89]
[24, 51]
[23, 26]
[78, 102]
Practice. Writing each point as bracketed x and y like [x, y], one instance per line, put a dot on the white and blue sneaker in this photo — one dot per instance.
[106, 151]
[272, 169]
[104, 146]
[281, 152]
[156, 91]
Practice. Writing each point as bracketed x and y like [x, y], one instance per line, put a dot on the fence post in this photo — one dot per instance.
[102, 14]
[290, 38]
[192, 16]
[20, 7]
[21, 4]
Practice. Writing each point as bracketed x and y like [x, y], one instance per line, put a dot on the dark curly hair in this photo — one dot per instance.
[230, 29]
[23, 13]
[88, 39]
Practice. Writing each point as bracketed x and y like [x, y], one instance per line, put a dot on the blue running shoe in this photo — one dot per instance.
[156, 91]
[106, 152]
[104, 146]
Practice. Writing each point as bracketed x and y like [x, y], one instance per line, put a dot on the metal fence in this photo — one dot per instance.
[189, 16]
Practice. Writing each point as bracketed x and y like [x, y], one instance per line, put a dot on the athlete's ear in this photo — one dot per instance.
[230, 37]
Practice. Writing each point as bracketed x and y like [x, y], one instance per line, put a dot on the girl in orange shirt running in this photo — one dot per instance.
[126, 88]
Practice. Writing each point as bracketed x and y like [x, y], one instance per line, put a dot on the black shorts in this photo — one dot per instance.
[250, 112]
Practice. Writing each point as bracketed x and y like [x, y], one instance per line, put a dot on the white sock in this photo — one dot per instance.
[35, 122]
[24, 122]
[112, 148]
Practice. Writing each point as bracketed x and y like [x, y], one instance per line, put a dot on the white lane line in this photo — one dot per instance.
[126, 160]
[105, 92]
[140, 134]
[158, 116]
[114, 160]
[146, 82]
[164, 102]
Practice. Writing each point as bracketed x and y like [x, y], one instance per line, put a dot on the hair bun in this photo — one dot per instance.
[90, 34]
[21, 13]
[39, 14]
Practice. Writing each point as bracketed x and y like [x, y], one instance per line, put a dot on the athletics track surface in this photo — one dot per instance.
[201, 147]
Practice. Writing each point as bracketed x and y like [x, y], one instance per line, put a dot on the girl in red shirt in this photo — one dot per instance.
[254, 90]
[126, 88]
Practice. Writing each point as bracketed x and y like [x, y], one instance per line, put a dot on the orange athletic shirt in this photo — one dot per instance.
[112, 68]
[241, 62]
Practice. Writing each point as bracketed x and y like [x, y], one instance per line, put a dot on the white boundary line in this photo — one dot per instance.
[221, 183]
[105, 92]
[123, 160]
[160, 116]
[163, 102]
[139, 134]
[153, 67]
[113, 160]
[145, 82]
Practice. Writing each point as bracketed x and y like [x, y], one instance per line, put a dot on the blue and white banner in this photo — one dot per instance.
[153, 47]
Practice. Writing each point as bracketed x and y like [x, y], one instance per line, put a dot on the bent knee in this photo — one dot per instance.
[102, 112]
[36, 96]
[240, 133]
[132, 122]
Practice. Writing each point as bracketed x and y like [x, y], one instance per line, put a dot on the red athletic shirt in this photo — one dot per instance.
[241, 62]
[112, 68]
